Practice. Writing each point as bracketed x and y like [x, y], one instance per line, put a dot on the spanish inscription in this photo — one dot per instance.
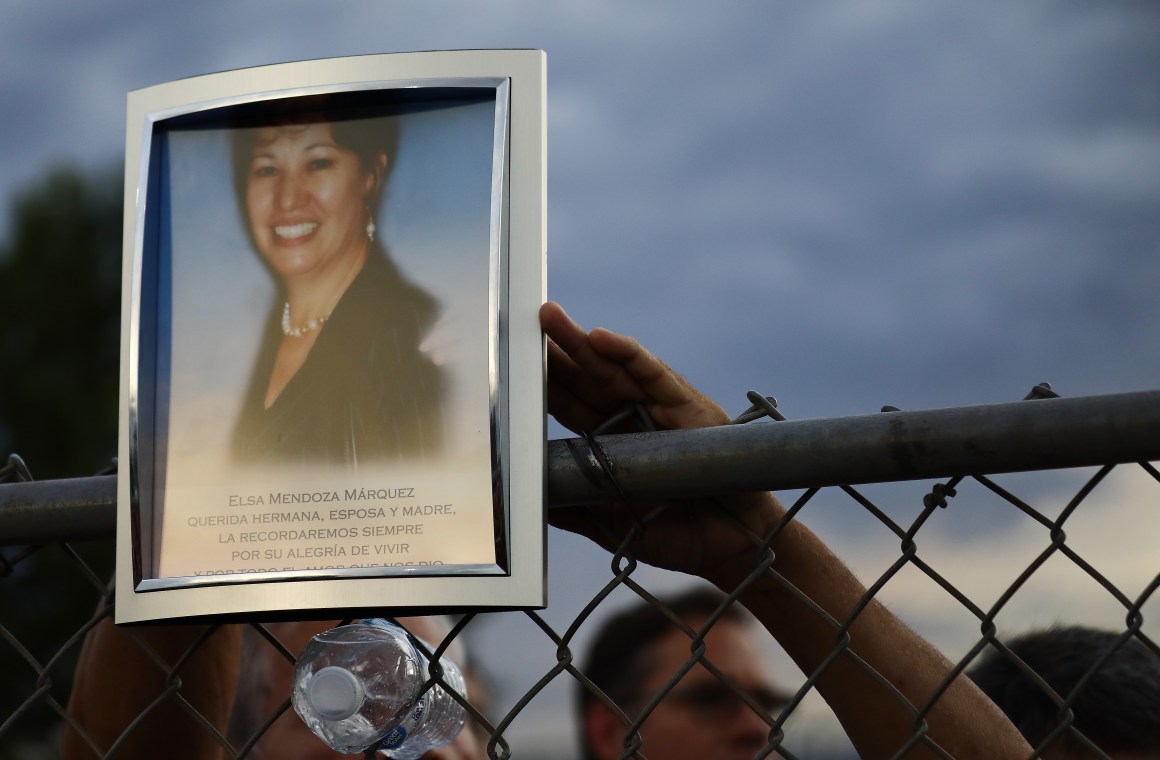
[365, 527]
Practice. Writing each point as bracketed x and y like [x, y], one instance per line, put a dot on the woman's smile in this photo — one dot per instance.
[295, 231]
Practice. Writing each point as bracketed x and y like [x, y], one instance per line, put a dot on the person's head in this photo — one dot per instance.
[1116, 686]
[265, 682]
[637, 652]
[308, 178]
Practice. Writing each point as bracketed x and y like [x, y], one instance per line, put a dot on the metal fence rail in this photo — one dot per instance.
[959, 447]
[895, 445]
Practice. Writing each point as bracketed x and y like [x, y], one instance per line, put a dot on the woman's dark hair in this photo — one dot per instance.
[357, 122]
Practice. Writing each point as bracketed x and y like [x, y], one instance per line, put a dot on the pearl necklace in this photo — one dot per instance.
[297, 332]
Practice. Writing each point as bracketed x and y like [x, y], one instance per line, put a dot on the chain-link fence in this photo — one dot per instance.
[1086, 522]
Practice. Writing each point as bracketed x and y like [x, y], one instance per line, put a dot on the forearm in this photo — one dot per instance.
[593, 374]
[117, 681]
[962, 721]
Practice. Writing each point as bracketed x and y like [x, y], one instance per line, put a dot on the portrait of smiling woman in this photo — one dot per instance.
[340, 378]
[326, 325]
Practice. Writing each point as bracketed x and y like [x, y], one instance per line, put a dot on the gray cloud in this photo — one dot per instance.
[842, 204]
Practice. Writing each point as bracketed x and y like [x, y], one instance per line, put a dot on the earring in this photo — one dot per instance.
[371, 230]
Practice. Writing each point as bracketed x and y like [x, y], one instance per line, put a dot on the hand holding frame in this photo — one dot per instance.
[591, 376]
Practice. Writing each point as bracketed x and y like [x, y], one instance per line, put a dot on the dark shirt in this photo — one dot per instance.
[365, 392]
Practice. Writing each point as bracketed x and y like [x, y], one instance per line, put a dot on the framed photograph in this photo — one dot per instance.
[332, 372]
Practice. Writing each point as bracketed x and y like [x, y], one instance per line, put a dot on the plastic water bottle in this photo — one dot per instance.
[356, 686]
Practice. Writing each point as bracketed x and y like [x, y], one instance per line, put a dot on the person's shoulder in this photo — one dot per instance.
[384, 289]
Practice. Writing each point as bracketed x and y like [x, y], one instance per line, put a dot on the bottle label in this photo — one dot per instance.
[395, 738]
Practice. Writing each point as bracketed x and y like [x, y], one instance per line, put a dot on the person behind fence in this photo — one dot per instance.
[1112, 688]
[636, 653]
[235, 681]
[876, 669]
[340, 376]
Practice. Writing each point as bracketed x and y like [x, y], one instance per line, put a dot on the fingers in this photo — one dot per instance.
[569, 409]
[592, 375]
[598, 379]
[675, 403]
[584, 389]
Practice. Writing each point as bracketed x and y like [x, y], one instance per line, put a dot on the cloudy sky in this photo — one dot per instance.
[844, 205]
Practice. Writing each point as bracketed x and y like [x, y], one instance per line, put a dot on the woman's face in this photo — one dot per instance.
[306, 199]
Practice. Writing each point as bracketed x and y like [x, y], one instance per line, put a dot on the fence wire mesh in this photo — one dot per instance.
[48, 589]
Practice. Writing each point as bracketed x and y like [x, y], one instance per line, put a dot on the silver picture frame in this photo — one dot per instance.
[401, 463]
